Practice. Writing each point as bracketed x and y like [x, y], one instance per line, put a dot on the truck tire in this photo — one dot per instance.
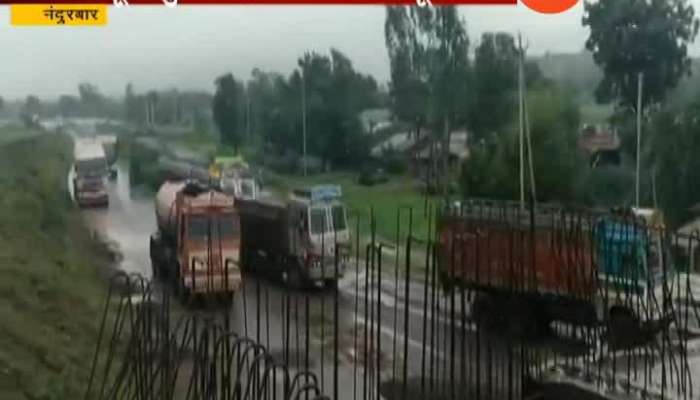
[331, 284]
[292, 276]
[485, 312]
[182, 293]
[623, 328]
[155, 262]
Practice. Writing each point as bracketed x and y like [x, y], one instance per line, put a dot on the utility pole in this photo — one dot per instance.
[521, 117]
[247, 113]
[640, 88]
[303, 120]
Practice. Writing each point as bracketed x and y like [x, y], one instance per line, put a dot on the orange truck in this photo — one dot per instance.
[197, 244]
[548, 265]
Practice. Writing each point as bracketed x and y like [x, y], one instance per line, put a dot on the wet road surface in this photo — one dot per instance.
[365, 317]
[363, 340]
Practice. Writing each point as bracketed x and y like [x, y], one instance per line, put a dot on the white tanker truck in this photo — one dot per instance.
[197, 245]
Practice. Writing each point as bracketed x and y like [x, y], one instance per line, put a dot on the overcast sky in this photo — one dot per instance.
[187, 47]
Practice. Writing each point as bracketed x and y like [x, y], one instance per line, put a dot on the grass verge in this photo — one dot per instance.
[387, 202]
[51, 292]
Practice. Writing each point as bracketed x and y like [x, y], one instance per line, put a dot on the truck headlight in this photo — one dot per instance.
[199, 264]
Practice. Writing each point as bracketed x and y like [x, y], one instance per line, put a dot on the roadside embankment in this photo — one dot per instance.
[51, 291]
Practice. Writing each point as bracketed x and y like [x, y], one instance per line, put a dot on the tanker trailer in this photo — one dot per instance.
[196, 246]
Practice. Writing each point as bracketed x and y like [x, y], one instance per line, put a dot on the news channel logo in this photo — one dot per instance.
[541, 6]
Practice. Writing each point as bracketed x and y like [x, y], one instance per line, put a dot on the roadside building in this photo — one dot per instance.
[428, 149]
[375, 120]
[601, 144]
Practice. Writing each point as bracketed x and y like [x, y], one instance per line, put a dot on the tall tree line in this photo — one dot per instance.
[326, 90]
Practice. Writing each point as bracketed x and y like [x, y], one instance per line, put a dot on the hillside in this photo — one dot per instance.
[51, 293]
[579, 71]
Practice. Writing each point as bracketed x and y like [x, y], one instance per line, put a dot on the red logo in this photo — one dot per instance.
[550, 6]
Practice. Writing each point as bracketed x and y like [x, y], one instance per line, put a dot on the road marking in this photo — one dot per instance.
[411, 342]
[391, 301]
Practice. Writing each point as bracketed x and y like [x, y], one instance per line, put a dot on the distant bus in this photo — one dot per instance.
[90, 172]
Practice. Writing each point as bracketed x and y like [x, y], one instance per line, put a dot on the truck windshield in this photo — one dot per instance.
[338, 213]
[91, 166]
[319, 221]
[248, 188]
[200, 226]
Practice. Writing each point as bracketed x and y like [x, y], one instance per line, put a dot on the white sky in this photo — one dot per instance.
[188, 46]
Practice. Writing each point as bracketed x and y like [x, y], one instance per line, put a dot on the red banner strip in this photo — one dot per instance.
[264, 2]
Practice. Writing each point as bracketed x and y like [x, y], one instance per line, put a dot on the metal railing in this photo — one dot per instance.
[418, 316]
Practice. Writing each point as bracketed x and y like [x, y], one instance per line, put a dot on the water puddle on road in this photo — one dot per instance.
[126, 224]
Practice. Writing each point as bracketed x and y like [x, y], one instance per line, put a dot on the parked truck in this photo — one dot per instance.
[549, 265]
[302, 240]
[197, 245]
[233, 175]
[90, 172]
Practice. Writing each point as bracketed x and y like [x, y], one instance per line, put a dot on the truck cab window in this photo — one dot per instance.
[338, 214]
[198, 227]
[318, 220]
[247, 188]
[201, 227]
[91, 166]
[227, 225]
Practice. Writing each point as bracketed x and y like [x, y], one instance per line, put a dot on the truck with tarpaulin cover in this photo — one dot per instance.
[233, 176]
[550, 264]
[304, 239]
[90, 171]
[197, 244]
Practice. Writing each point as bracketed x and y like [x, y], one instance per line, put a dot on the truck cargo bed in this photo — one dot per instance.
[264, 226]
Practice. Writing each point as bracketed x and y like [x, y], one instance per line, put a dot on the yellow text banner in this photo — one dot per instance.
[58, 14]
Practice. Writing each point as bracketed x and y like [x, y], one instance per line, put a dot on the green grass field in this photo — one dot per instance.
[387, 202]
[12, 133]
[51, 292]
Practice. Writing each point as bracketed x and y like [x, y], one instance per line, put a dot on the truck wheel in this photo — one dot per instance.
[331, 284]
[292, 277]
[623, 328]
[181, 291]
[484, 311]
[155, 265]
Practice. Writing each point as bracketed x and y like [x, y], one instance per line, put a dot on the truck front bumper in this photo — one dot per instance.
[203, 284]
[318, 271]
[93, 198]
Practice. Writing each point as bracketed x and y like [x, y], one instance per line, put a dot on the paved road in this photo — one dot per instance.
[382, 326]
[288, 323]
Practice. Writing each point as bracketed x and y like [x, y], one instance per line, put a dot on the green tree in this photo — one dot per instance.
[428, 48]
[628, 37]
[408, 89]
[262, 93]
[495, 86]
[32, 106]
[226, 107]
[334, 93]
[133, 108]
[670, 157]
[2, 102]
[68, 106]
[607, 186]
[92, 102]
[492, 170]
[31, 109]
